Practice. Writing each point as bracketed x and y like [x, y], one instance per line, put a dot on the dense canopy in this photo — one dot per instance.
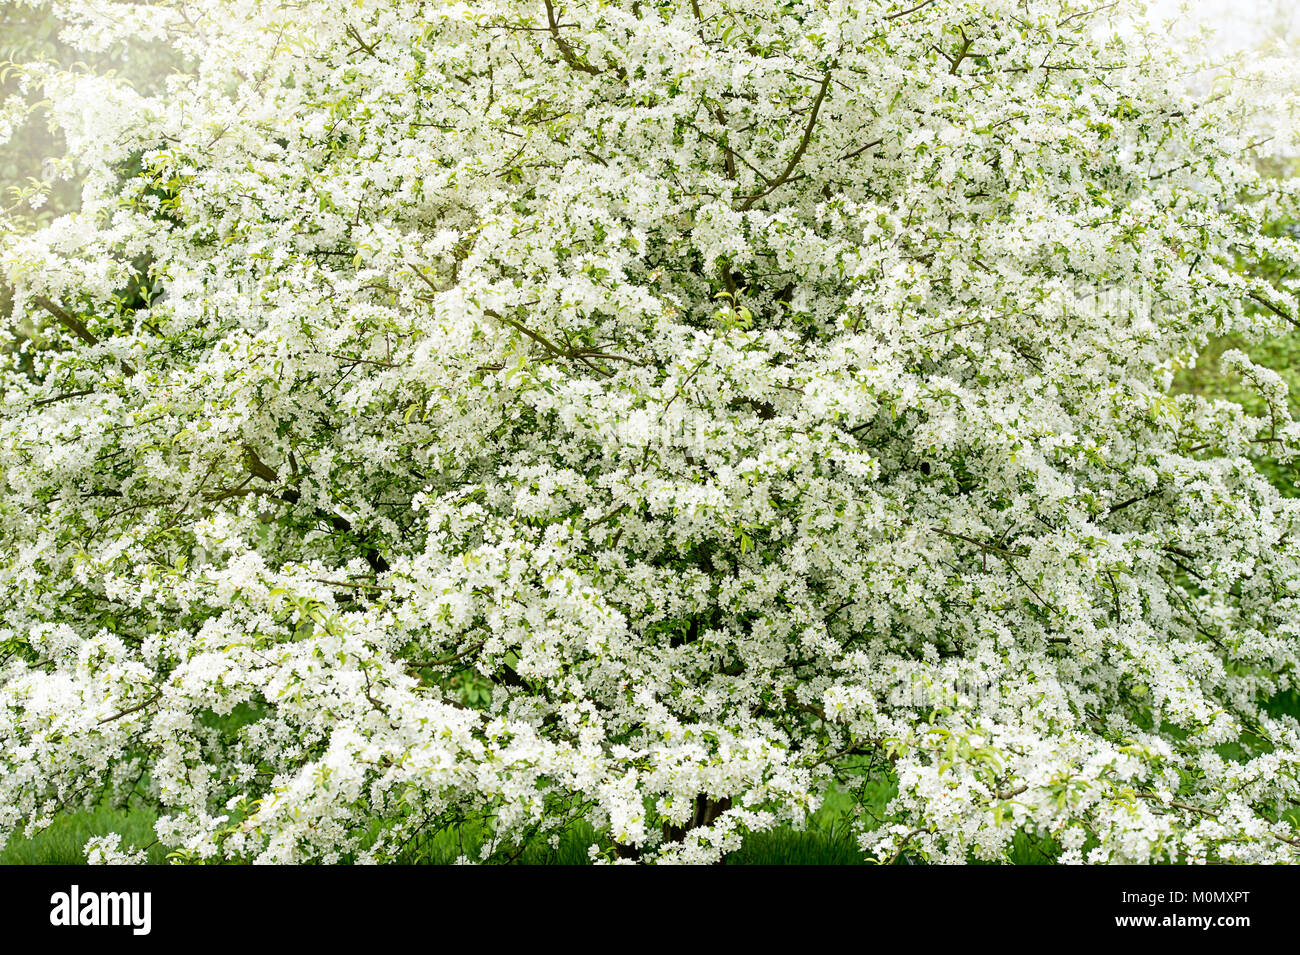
[645, 415]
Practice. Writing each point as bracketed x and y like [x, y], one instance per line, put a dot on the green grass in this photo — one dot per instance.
[63, 843]
[827, 840]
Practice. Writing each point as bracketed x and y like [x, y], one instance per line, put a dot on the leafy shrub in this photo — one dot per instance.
[626, 419]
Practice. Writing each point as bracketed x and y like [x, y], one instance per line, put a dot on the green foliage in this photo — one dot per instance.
[63, 843]
[1207, 378]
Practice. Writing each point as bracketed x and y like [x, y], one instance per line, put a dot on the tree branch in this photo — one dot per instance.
[75, 325]
[784, 177]
[131, 709]
[566, 49]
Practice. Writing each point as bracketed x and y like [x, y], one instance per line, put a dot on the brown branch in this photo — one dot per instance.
[609, 516]
[566, 49]
[353, 585]
[546, 343]
[1132, 500]
[1006, 555]
[535, 336]
[784, 177]
[131, 709]
[607, 356]
[76, 326]
[910, 836]
[1273, 308]
[444, 661]
[259, 468]
[993, 548]
[903, 13]
[374, 703]
[861, 149]
[955, 61]
[63, 397]
[1191, 162]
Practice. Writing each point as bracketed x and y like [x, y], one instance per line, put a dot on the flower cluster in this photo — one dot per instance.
[646, 414]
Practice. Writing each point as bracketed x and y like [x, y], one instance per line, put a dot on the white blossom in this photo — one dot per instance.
[518, 414]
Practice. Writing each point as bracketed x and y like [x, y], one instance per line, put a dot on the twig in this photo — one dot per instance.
[566, 50]
[784, 177]
[75, 325]
[131, 709]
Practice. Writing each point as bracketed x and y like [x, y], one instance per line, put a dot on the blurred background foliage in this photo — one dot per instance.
[1281, 352]
[36, 186]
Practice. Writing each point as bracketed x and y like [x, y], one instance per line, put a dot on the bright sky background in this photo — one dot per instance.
[1237, 23]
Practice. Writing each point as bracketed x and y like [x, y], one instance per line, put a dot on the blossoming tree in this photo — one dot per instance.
[646, 414]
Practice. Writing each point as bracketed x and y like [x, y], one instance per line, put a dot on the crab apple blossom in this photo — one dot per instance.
[645, 416]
